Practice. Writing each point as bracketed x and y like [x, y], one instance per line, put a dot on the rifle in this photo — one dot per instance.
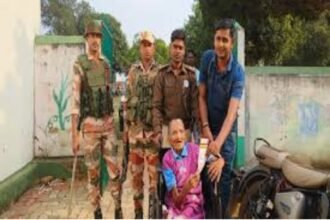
[125, 145]
[72, 184]
[125, 162]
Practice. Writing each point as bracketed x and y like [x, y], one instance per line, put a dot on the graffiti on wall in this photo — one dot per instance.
[298, 118]
[56, 131]
[60, 121]
[308, 114]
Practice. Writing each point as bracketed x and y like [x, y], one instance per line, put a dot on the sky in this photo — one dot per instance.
[160, 17]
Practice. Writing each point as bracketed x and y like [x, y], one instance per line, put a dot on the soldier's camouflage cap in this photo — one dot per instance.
[146, 36]
[94, 26]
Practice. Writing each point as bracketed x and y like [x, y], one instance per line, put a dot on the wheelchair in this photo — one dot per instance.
[211, 193]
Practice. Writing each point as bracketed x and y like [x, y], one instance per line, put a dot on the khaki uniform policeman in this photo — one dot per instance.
[175, 91]
[139, 121]
[92, 118]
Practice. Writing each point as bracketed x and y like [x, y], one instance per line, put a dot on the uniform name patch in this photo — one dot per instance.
[185, 83]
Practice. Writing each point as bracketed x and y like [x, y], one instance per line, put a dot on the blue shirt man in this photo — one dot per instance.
[221, 87]
[220, 91]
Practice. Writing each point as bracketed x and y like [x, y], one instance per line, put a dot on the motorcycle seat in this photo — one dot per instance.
[271, 157]
[300, 172]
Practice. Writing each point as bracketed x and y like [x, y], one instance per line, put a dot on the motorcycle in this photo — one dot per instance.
[280, 186]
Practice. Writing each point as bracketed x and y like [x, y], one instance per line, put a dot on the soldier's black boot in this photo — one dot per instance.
[118, 214]
[98, 213]
[139, 213]
[153, 205]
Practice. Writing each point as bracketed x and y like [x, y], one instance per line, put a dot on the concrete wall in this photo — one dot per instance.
[290, 107]
[19, 22]
[54, 58]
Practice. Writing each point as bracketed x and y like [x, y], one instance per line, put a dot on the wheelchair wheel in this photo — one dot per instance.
[156, 201]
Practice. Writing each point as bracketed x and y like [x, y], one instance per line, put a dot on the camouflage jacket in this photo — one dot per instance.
[91, 89]
[139, 96]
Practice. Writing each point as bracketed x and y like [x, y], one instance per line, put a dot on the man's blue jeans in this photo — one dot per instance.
[228, 153]
[224, 185]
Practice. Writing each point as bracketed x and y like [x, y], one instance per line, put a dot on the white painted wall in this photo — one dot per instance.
[53, 75]
[19, 23]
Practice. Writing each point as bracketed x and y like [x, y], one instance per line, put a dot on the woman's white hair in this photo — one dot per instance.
[173, 121]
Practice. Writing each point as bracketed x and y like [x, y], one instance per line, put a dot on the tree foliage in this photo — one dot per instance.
[68, 17]
[65, 17]
[281, 32]
[315, 50]
[199, 37]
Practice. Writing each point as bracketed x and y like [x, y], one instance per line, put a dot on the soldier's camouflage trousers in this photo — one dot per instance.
[142, 149]
[98, 138]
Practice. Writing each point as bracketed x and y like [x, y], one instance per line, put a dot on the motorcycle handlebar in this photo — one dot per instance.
[255, 146]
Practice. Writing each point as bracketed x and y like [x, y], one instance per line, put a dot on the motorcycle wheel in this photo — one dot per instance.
[251, 195]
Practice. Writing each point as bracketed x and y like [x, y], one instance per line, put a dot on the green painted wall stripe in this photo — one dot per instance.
[58, 39]
[239, 160]
[14, 186]
[287, 70]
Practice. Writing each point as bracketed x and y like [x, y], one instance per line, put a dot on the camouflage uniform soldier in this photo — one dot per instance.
[139, 122]
[92, 119]
[175, 92]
